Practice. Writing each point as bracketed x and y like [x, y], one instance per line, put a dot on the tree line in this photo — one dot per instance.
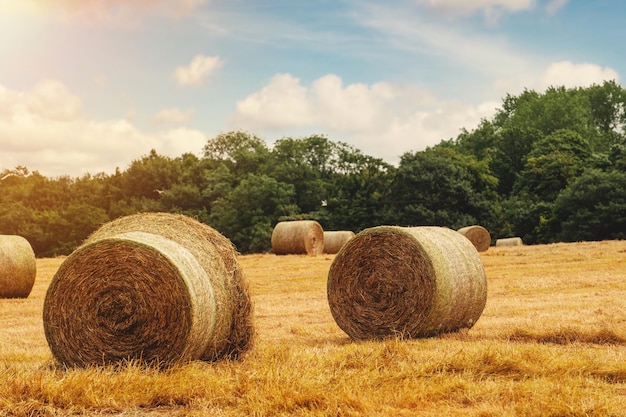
[547, 167]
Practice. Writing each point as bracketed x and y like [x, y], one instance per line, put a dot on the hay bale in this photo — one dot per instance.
[298, 237]
[176, 293]
[18, 267]
[509, 241]
[335, 239]
[391, 281]
[232, 289]
[478, 235]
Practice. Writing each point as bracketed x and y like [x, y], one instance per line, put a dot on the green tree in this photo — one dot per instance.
[593, 207]
[145, 177]
[241, 152]
[512, 147]
[608, 108]
[309, 164]
[248, 213]
[440, 186]
[74, 225]
[359, 196]
[554, 161]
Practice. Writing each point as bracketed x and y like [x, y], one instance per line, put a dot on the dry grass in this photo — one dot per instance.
[550, 342]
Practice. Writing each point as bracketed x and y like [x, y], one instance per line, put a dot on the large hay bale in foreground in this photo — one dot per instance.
[231, 289]
[391, 281]
[478, 235]
[18, 267]
[335, 239]
[173, 291]
[298, 237]
[509, 241]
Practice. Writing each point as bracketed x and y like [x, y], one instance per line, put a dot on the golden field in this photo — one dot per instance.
[550, 342]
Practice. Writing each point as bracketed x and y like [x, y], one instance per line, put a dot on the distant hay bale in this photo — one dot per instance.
[509, 241]
[406, 282]
[18, 267]
[335, 239]
[478, 235]
[160, 287]
[298, 237]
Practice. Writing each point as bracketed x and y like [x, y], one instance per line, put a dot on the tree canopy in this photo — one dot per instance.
[548, 166]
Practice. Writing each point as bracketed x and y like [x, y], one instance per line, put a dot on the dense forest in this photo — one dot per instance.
[546, 167]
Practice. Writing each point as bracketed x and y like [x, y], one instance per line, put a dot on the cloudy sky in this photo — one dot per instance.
[90, 85]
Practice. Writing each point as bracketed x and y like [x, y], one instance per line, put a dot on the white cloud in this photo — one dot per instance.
[172, 116]
[381, 119]
[43, 130]
[48, 99]
[282, 102]
[353, 108]
[386, 120]
[569, 74]
[198, 70]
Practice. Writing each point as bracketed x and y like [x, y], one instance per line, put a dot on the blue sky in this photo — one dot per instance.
[90, 85]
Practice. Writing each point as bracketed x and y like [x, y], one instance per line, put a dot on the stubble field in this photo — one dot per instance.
[551, 342]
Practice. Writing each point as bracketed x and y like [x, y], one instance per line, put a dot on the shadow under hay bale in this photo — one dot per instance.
[478, 235]
[156, 287]
[391, 281]
[18, 267]
[335, 239]
[298, 237]
[509, 241]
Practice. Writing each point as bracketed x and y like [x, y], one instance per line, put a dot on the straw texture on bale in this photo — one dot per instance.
[509, 241]
[198, 306]
[18, 267]
[298, 237]
[391, 281]
[478, 235]
[335, 239]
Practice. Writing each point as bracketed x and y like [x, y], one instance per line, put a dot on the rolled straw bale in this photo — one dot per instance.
[234, 307]
[156, 287]
[335, 239]
[18, 267]
[298, 237]
[406, 282]
[509, 241]
[478, 235]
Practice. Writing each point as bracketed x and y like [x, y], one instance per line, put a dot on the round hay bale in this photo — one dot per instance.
[335, 239]
[156, 287]
[132, 296]
[509, 241]
[18, 267]
[391, 281]
[234, 306]
[478, 235]
[298, 237]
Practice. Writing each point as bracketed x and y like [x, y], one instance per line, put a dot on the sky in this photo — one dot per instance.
[88, 86]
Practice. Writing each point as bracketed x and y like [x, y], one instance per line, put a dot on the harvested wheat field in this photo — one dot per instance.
[551, 342]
